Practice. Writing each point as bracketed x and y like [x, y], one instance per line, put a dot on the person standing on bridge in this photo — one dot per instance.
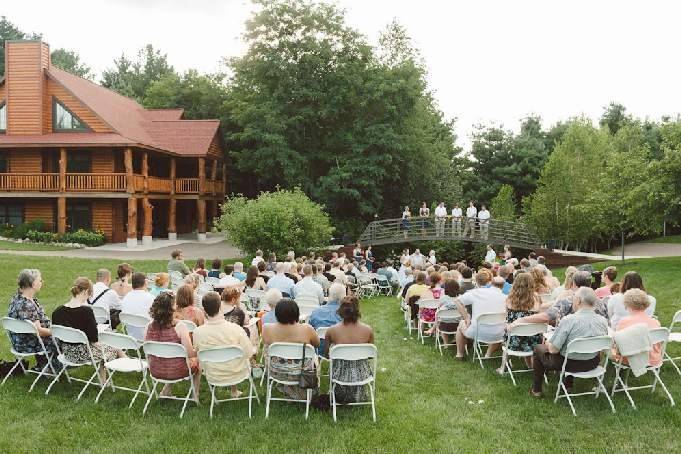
[440, 219]
[406, 218]
[424, 214]
[471, 214]
[457, 214]
[483, 217]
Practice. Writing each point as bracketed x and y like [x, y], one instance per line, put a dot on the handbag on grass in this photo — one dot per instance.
[307, 379]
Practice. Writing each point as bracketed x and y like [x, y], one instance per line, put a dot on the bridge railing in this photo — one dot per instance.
[495, 231]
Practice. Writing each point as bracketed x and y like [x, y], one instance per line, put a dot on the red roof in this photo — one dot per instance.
[162, 129]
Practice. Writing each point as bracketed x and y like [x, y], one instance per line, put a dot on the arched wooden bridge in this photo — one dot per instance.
[391, 231]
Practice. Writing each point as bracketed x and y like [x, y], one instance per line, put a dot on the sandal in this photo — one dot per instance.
[535, 394]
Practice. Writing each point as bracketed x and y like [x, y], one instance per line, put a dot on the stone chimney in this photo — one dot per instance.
[25, 62]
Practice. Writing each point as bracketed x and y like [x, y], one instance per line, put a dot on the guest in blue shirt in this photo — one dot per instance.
[284, 284]
[327, 315]
[239, 271]
[215, 269]
[271, 298]
[504, 272]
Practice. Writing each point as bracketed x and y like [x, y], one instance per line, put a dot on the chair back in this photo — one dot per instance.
[307, 300]
[491, 318]
[321, 331]
[136, 320]
[658, 335]
[117, 340]
[221, 354]
[364, 279]
[353, 352]
[204, 287]
[176, 275]
[546, 297]
[164, 349]
[17, 326]
[382, 280]
[428, 304]
[191, 326]
[70, 335]
[212, 281]
[528, 329]
[101, 314]
[676, 319]
[448, 315]
[587, 345]
[290, 350]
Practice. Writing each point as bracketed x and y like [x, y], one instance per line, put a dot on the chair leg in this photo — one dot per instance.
[601, 386]
[56, 378]
[151, 395]
[373, 402]
[212, 400]
[671, 360]
[187, 397]
[332, 395]
[268, 398]
[90, 381]
[42, 373]
[567, 396]
[16, 364]
[101, 391]
[307, 403]
[250, 399]
[664, 387]
[255, 390]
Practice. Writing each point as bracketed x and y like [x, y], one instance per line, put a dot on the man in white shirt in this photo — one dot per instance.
[308, 287]
[258, 258]
[483, 217]
[440, 219]
[102, 295]
[491, 255]
[457, 214]
[138, 301]
[471, 214]
[394, 278]
[338, 272]
[228, 279]
[417, 259]
[282, 282]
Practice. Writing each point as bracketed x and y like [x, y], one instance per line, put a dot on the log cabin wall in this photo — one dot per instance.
[41, 210]
[25, 161]
[25, 85]
[103, 217]
[55, 90]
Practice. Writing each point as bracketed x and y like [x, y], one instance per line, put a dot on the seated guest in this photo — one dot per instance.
[292, 272]
[408, 281]
[186, 310]
[161, 284]
[138, 301]
[193, 281]
[287, 329]
[327, 315]
[200, 267]
[239, 271]
[418, 288]
[338, 273]
[164, 328]
[106, 298]
[540, 286]
[448, 300]
[228, 278]
[319, 278]
[215, 268]
[432, 293]
[308, 287]
[609, 276]
[258, 258]
[616, 309]
[504, 272]
[482, 300]
[522, 302]
[383, 271]
[467, 283]
[271, 298]
[263, 273]
[218, 332]
[394, 278]
[253, 280]
[236, 312]
[349, 331]
[271, 262]
[78, 314]
[585, 322]
[565, 290]
[25, 306]
[282, 282]
[122, 285]
[176, 263]
[636, 301]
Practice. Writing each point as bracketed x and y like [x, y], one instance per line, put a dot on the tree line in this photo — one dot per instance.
[312, 104]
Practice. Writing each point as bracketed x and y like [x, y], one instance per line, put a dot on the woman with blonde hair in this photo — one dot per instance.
[565, 290]
[539, 283]
[186, 310]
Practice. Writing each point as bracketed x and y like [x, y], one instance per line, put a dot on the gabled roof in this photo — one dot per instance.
[165, 114]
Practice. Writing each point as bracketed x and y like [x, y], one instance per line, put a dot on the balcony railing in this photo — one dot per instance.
[29, 181]
[186, 185]
[160, 185]
[95, 182]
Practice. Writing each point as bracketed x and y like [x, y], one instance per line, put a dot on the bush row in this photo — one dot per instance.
[35, 231]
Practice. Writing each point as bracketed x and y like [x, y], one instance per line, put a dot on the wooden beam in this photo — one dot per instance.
[132, 218]
[214, 175]
[61, 215]
[173, 173]
[201, 216]
[62, 169]
[172, 215]
[128, 172]
[202, 176]
[148, 220]
[145, 170]
[224, 179]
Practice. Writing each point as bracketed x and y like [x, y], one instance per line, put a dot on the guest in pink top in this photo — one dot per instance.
[636, 301]
[609, 276]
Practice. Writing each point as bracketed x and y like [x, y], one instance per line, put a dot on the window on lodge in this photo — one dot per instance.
[78, 162]
[78, 216]
[3, 118]
[63, 120]
[11, 213]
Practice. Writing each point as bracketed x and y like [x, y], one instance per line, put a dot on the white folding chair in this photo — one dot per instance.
[521, 330]
[354, 352]
[586, 345]
[204, 287]
[321, 332]
[74, 336]
[224, 355]
[254, 297]
[657, 336]
[384, 287]
[546, 298]
[191, 326]
[421, 322]
[445, 316]
[366, 287]
[14, 326]
[674, 338]
[488, 319]
[406, 310]
[168, 350]
[102, 316]
[212, 281]
[176, 279]
[288, 351]
[306, 304]
[137, 321]
[127, 365]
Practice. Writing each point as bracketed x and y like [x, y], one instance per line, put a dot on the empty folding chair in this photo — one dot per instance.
[74, 336]
[353, 352]
[287, 351]
[425, 307]
[168, 350]
[134, 325]
[489, 319]
[586, 345]
[366, 286]
[445, 316]
[224, 355]
[406, 310]
[102, 316]
[127, 365]
[384, 287]
[657, 336]
[521, 330]
[674, 337]
[14, 326]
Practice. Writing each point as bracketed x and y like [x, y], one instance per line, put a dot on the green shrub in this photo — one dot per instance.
[86, 237]
[42, 237]
[275, 222]
[20, 231]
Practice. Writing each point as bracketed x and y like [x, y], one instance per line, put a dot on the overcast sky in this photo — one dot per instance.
[488, 61]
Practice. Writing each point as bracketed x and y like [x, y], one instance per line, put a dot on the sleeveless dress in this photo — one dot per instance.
[521, 344]
[165, 368]
[429, 314]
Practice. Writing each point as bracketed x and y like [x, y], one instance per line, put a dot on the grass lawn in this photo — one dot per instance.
[425, 402]
[12, 246]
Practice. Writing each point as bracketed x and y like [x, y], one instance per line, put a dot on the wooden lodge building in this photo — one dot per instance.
[77, 155]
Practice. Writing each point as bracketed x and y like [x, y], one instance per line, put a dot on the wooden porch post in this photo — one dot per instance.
[202, 176]
[61, 215]
[132, 222]
[224, 179]
[145, 171]
[173, 172]
[128, 174]
[148, 221]
[213, 176]
[62, 169]
[172, 219]
[201, 219]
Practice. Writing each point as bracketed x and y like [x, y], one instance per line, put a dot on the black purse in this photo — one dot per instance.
[308, 379]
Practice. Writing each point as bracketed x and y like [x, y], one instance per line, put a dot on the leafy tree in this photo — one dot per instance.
[69, 60]
[132, 78]
[503, 205]
[614, 117]
[9, 31]
[275, 222]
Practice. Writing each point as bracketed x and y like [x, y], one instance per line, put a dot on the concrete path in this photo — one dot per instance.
[650, 249]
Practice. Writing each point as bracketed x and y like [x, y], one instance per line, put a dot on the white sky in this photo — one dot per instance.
[488, 60]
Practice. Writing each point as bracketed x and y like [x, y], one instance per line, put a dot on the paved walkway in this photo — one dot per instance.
[650, 249]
